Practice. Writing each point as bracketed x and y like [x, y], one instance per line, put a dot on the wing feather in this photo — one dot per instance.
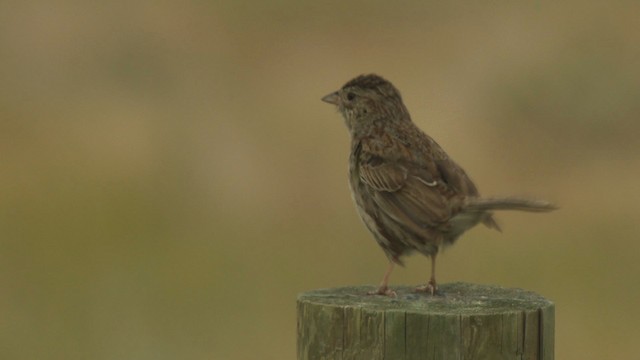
[408, 194]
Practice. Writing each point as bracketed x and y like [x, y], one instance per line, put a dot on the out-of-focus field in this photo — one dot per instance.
[170, 179]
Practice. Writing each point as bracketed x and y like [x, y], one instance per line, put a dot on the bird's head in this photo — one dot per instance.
[367, 98]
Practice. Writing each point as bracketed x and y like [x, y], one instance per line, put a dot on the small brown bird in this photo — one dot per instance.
[409, 193]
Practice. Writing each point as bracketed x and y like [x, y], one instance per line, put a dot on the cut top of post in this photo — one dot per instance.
[458, 298]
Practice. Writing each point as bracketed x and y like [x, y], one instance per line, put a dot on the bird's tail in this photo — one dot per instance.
[508, 203]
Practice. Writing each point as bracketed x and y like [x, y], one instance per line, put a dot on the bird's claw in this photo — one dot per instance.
[383, 290]
[430, 288]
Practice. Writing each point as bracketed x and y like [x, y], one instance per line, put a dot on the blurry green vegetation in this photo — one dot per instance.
[169, 179]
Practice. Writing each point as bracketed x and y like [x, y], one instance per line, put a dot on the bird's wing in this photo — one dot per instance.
[455, 177]
[411, 195]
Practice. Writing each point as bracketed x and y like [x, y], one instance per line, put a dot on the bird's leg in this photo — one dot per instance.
[431, 286]
[383, 289]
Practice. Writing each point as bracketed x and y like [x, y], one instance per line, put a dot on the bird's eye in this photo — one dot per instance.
[351, 96]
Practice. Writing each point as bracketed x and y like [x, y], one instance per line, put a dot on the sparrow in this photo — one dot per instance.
[410, 194]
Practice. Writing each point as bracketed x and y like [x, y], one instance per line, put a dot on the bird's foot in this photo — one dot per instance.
[430, 288]
[383, 290]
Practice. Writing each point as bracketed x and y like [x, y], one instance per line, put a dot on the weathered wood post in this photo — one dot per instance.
[462, 321]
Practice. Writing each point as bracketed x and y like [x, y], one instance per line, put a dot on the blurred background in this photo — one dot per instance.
[170, 179]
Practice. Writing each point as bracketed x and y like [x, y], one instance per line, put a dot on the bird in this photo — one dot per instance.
[409, 193]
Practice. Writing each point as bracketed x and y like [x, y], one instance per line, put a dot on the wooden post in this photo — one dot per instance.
[462, 321]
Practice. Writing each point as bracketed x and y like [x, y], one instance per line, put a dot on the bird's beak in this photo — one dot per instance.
[332, 98]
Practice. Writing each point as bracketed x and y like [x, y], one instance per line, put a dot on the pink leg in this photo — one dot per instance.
[431, 286]
[383, 289]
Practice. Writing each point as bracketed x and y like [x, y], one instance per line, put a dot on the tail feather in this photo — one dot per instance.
[508, 203]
